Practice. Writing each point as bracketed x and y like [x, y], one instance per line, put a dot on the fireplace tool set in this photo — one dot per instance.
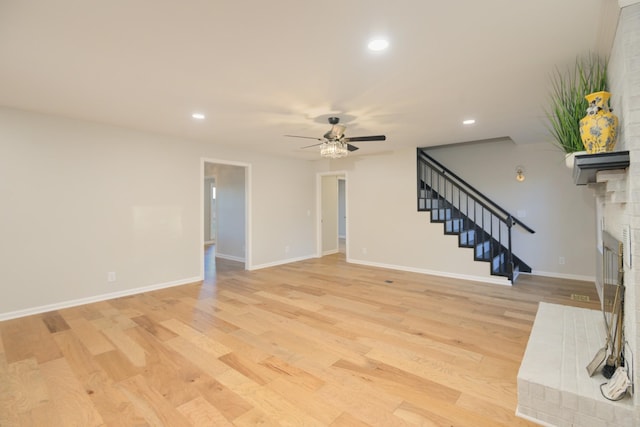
[615, 368]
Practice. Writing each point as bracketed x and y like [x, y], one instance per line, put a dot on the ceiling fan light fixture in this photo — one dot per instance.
[333, 149]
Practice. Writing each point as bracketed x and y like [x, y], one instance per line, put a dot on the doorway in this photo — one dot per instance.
[225, 214]
[342, 215]
[332, 226]
[210, 211]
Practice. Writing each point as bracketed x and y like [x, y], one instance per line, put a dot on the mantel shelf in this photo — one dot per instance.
[587, 165]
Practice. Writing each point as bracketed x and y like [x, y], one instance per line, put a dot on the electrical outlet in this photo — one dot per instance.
[364, 251]
[286, 249]
[561, 260]
[111, 276]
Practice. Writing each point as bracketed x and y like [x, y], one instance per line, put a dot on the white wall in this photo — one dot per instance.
[385, 227]
[81, 199]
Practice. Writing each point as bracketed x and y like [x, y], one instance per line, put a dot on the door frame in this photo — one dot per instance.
[339, 174]
[248, 250]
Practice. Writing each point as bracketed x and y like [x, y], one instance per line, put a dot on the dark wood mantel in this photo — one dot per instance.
[587, 165]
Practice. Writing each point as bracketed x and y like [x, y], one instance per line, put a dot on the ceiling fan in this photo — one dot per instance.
[334, 144]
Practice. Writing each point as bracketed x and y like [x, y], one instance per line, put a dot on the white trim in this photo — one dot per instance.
[492, 280]
[331, 252]
[97, 298]
[209, 242]
[247, 204]
[229, 257]
[562, 276]
[281, 262]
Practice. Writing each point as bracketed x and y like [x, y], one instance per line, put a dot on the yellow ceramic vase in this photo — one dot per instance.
[599, 128]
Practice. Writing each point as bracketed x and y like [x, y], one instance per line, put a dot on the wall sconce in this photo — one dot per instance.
[520, 173]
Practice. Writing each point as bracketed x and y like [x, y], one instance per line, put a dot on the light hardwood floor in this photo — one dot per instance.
[317, 342]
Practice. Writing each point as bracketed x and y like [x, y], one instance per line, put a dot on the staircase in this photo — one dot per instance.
[479, 223]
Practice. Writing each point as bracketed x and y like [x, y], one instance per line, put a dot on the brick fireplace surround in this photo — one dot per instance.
[567, 338]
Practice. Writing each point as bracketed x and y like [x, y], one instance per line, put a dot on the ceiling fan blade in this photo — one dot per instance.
[309, 146]
[352, 147]
[305, 137]
[365, 138]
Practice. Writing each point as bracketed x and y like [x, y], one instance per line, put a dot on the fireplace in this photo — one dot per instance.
[610, 286]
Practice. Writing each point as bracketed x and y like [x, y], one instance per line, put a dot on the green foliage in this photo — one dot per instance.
[568, 104]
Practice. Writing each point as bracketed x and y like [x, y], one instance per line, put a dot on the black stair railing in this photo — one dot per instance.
[479, 222]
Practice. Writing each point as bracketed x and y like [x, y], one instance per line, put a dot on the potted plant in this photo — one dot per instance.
[568, 104]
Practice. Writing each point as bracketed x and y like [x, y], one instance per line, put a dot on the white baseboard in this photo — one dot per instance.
[331, 252]
[495, 280]
[102, 297]
[562, 276]
[229, 257]
[281, 262]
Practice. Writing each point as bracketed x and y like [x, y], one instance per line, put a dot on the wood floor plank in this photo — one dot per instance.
[347, 420]
[165, 370]
[117, 366]
[196, 337]
[359, 405]
[228, 403]
[316, 342]
[446, 373]
[128, 347]
[293, 374]
[54, 322]
[91, 338]
[42, 415]
[22, 387]
[255, 417]
[69, 397]
[149, 403]
[206, 361]
[398, 382]
[267, 401]
[254, 371]
[37, 343]
[201, 413]
[300, 397]
[87, 370]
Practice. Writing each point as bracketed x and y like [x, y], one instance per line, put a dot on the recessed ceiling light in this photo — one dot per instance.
[377, 45]
[468, 122]
[198, 116]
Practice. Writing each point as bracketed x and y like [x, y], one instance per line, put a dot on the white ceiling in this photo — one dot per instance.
[263, 69]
